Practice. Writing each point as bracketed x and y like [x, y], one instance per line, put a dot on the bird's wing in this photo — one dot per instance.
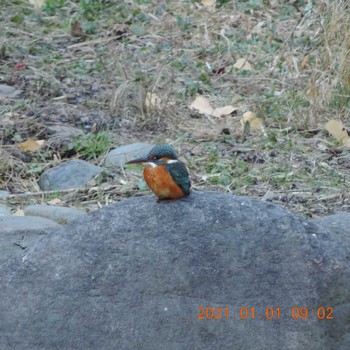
[179, 174]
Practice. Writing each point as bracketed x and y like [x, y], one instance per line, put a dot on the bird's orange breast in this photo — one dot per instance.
[161, 183]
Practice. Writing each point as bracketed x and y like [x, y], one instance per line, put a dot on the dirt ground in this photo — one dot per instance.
[95, 75]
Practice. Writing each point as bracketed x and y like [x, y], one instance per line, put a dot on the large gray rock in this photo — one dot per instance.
[72, 174]
[338, 331]
[5, 210]
[18, 233]
[337, 223]
[134, 275]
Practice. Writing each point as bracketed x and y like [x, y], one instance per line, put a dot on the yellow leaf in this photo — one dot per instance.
[346, 142]
[209, 4]
[202, 105]
[54, 201]
[31, 145]
[56, 159]
[312, 92]
[305, 61]
[223, 111]
[37, 3]
[19, 212]
[250, 121]
[152, 101]
[338, 131]
[243, 64]
[255, 123]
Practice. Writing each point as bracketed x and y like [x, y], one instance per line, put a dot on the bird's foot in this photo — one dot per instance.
[168, 200]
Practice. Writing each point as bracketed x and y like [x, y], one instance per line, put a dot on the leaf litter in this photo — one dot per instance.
[141, 65]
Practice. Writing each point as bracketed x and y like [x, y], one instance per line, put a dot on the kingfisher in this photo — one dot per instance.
[164, 173]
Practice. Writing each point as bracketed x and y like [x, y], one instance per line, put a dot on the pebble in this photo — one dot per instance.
[72, 174]
[123, 154]
[58, 214]
[4, 194]
[9, 91]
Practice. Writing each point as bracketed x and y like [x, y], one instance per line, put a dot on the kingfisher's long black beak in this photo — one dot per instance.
[138, 160]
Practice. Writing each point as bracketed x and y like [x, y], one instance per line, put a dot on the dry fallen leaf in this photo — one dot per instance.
[19, 212]
[202, 105]
[37, 3]
[54, 201]
[209, 4]
[31, 145]
[338, 131]
[76, 30]
[152, 101]
[218, 71]
[242, 64]
[305, 61]
[312, 93]
[222, 111]
[346, 142]
[255, 123]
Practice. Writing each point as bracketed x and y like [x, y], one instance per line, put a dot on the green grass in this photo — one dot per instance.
[91, 146]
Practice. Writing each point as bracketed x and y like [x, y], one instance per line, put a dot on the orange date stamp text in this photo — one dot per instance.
[269, 313]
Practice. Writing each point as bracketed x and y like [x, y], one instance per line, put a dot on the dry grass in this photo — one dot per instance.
[136, 48]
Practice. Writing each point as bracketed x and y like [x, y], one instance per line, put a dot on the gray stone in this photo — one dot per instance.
[61, 215]
[5, 210]
[338, 223]
[64, 131]
[9, 91]
[18, 233]
[72, 174]
[4, 194]
[339, 329]
[135, 274]
[121, 155]
[23, 224]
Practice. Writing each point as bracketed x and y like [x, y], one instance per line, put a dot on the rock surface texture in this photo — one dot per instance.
[136, 274]
[18, 233]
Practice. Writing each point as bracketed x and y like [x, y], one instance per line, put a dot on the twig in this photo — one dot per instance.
[284, 46]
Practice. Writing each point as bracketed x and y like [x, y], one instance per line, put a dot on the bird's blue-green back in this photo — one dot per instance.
[179, 174]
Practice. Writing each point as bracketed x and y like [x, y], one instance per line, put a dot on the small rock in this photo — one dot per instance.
[61, 136]
[72, 174]
[9, 91]
[4, 194]
[5, 210]
[123, 154]
[25, 224]
[59, 214]
[64, 131]
[95, 88]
